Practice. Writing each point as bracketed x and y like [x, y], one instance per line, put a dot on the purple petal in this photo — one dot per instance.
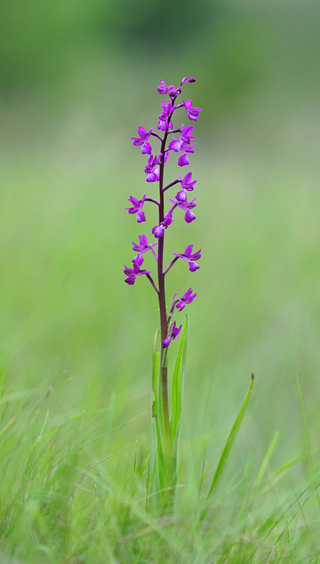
[162, 125]
[137, 261]
[175, 330]
[166, 342]
[181, 196]
[130, 280]
[146, 149]
[162, 88]
[187, 79]
[183, 160]
[167, 220]
[134, 201]
[141, 131]
[197, 255]
[140, 217]
[174, 145]
[143, 240]
[193, 266]
[158, 231]
[188, 251]
[189, 216]
[137, 141]
[152, 177]
[128, 271]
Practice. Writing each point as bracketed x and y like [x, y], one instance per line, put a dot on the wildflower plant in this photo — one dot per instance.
[169, 143]
[174, 142]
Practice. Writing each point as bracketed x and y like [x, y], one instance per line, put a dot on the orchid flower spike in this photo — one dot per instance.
[180, 141]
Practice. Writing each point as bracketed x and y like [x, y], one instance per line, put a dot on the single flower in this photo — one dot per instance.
[132, 273]
[190, 257]
[144, 245]
[187, 79]
[173, 91]
[173, 334]
[137, 207]
[152, 169]
[186, 183]
[158, 230]
[187, 207]
[184, 144]
[142, 140]
[186, 134]
[162, 88]
[167, 110]
[193, 112]
[186, 299]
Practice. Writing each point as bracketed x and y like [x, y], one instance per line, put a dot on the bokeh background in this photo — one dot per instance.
[76, 80]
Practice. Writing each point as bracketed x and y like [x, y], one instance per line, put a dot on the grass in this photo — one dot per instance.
[76, 344]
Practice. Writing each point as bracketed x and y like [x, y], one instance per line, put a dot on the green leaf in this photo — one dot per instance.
[177, 395]
[226, 451]
[267, 457]
[155, 376]
[157, 415]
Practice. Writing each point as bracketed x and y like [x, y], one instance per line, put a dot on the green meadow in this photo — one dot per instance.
[76, 342]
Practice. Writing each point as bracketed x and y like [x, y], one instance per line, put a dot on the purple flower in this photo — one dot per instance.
[185, 134]
[159, 229]
[144, 135]
[187, 79]
[186, 183]
[173, 91]
[182, 146]
[152, 168]
[187, 207]
[162, 88]
[184, 142]
[144, 246]
[167, 110]
[190, 257]
[137, 207]
[168, 219]
[174, 332]
[186, 299]
[132, 273]
[193, 112]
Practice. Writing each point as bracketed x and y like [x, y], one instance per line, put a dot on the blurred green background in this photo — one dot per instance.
[77, 79]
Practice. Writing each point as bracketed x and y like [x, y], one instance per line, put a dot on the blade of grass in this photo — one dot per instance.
[226, 451]
[308, 437]
[266, 458]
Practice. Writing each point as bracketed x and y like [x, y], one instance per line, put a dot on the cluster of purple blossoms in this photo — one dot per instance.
[179, 140]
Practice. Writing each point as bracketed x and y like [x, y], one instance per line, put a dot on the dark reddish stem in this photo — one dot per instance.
[156, 135]
[170, 265]
[171, 184]
[151, 200]
[152, 282]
